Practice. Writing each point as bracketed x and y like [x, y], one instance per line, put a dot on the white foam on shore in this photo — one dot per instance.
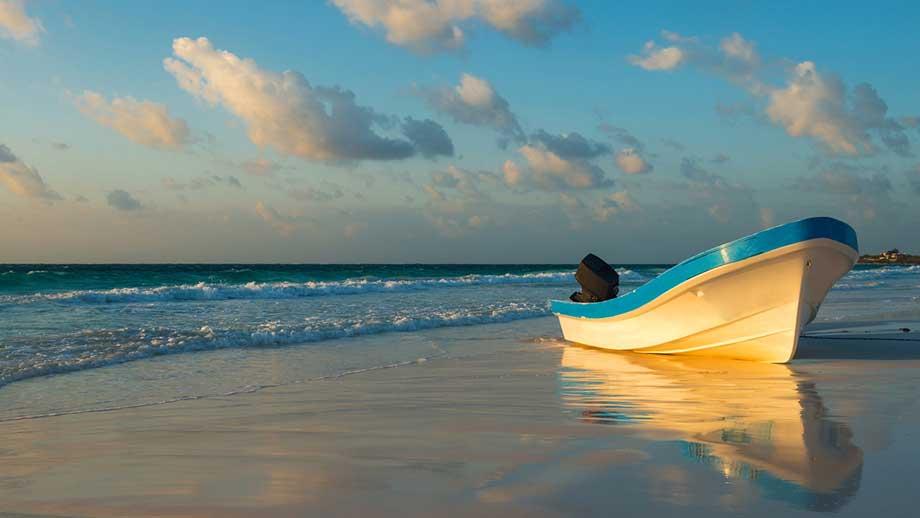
[94, 348]
[203, 291]
[285, 290]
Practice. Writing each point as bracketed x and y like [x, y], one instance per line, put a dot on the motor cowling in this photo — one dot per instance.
[598, 280]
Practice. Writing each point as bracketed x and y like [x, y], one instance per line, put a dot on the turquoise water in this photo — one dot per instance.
[56, 319]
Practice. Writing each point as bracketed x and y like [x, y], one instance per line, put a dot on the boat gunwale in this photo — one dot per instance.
[732, 252]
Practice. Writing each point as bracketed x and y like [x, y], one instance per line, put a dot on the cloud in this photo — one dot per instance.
[554, 162]
[16, 25]
[463, 181]
[570, 145]
[913, 178]
[474, 101]
[122, 200]
[622, 135]
[724, 200]
[632, 158]
[352, 230]
[429, 137]
[439, 25]
[841, 178]
[811, 104]
[654, 57]
[260, 167]
[551, 171]
[283, 110]
[735, 58]
[312, 194]
[736, 47]
[144, 122]
[631, 162]
[22, 179]
[719, 158]
[691, 169]
[512, 174]
[867, 190]
[458, 199]
[284, 225]
[820, 107]
[204, 182]
[614, 204]
[6, 155]
[673, 144]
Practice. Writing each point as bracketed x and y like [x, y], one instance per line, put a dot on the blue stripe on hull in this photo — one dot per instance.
[734, 251]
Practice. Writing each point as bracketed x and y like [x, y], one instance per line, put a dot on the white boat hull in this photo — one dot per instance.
[752, 309]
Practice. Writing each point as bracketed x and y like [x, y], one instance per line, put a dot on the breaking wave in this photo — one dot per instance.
[101, 347]
[282, 290]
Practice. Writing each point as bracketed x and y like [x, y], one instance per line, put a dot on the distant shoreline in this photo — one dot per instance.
[892, 257]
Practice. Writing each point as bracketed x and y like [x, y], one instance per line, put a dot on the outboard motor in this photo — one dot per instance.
[598, 280]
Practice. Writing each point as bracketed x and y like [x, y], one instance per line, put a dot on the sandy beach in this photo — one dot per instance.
[459, 258]
[496, 426]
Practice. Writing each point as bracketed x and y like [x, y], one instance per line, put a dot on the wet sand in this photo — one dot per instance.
[510, 428]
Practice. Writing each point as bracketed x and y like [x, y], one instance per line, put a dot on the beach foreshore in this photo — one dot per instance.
[498, 426]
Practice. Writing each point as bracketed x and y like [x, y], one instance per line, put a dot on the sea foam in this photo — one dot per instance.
[282, 290]
[100, 347]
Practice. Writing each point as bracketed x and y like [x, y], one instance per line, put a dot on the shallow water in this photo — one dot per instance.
[63, 318]
[454, 393]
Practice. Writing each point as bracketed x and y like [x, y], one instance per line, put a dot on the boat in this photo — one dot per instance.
[748, 299]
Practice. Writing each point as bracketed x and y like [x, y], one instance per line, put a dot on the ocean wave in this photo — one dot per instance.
[102, 347]
[883, 272]
[282, 290]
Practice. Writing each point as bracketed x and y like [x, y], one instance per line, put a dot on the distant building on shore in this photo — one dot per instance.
[893, 256]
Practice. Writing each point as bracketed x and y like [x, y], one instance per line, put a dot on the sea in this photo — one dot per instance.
[186, 331]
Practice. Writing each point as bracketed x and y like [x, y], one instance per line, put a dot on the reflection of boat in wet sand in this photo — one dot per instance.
[747, 299]
[748, 420]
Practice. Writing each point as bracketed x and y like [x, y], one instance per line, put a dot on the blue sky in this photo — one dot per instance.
[463, 131]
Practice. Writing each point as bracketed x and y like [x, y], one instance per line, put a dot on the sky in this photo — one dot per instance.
[450, 131]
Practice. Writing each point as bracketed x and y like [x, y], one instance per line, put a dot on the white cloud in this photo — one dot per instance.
[439, 25]
[284, 111]
[864, 191]
[144, 122]
[260, 166]
[735, 59]
[554, 162]
[551, 171]
[474, 101]
[654, 57]
[22, 179]
[200, 183]
[735, 46]
[614, 204]
[284, 225]
[811, 104]
[630, 161]
[722, 199]
[465, 182]
[819, 106]
[512, 174]
[16, 25]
